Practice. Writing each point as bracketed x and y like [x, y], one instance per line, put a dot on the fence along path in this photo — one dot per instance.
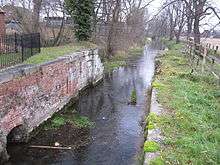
[204, 58]
[16, 48]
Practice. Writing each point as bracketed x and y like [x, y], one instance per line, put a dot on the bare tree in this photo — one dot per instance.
[198, 10]
[36, 15]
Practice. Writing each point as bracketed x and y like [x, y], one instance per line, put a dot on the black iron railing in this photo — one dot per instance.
[16, 48]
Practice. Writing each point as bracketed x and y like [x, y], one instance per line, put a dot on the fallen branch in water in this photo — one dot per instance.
[51, 147]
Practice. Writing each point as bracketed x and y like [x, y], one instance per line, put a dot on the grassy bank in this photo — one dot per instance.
[190, 124]
[120, 58]
[51, 53]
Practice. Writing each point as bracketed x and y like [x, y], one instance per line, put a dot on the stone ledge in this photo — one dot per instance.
[154, 134]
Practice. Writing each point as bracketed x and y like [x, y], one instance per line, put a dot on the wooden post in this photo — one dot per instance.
[216, 49]
[204, 59]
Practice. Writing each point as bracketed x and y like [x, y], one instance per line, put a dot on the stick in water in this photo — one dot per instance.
[51, 147]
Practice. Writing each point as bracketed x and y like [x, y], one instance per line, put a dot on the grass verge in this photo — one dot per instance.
[191, 122]
[51, 53]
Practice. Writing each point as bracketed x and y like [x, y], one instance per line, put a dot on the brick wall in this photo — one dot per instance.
[31, 94]
[2, 23]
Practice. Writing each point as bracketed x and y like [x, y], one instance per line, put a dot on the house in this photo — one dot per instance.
[57, 21]
[13, 27]
[2, 22]
[18, 19]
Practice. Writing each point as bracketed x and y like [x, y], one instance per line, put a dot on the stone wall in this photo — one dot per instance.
[30, 94]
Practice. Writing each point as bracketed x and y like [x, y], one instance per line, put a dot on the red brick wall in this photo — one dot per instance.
[2, 23]
[30, 95]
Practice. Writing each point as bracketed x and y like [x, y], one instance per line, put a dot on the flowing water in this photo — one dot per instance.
[117, 136]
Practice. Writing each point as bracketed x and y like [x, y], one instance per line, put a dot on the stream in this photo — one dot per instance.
[116, 138]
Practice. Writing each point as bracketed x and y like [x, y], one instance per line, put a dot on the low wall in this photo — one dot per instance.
[30, 94]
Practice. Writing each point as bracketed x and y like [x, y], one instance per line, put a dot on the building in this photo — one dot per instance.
[57, 21]
[13, 27]
[2, 22]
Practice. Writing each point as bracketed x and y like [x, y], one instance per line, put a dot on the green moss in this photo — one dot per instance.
[75, 119]
[157, 161]
[150, 126]
[151, 146]
[81, 121]
[57, 121]
[152, 121]
[133, 97]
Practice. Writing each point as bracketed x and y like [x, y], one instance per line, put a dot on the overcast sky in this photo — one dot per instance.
[208, 23]
[210, 20]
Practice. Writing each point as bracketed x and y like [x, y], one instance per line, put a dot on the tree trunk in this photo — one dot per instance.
[112, 30]
[196, 31]
[36, 15]
[189, 28]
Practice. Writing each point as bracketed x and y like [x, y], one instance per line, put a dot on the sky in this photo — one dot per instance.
[208, 23]
[210, 20]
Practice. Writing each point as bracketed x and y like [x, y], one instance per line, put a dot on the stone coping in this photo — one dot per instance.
[20, 70]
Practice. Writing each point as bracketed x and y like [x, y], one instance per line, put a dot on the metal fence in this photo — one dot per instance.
[16, 48]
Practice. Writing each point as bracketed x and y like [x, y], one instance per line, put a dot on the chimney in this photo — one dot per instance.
[2, 22]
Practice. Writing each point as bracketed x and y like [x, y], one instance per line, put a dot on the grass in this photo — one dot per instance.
[51, 53]
[151, 146]
[119, 59]
[10, 59]
[191, 122]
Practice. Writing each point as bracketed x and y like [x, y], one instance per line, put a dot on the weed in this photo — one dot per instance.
[59, 120]
[151, 146]
[133, 97]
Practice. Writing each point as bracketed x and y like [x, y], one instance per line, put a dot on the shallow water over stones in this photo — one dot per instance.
[117, 136]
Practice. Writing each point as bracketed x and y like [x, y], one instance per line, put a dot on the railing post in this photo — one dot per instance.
[39, 43]
[22, 48]
[16, 49]
[31, 44]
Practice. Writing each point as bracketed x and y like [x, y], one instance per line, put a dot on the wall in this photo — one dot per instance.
[30, 94]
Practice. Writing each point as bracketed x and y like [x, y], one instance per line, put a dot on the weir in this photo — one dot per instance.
[30, 94]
